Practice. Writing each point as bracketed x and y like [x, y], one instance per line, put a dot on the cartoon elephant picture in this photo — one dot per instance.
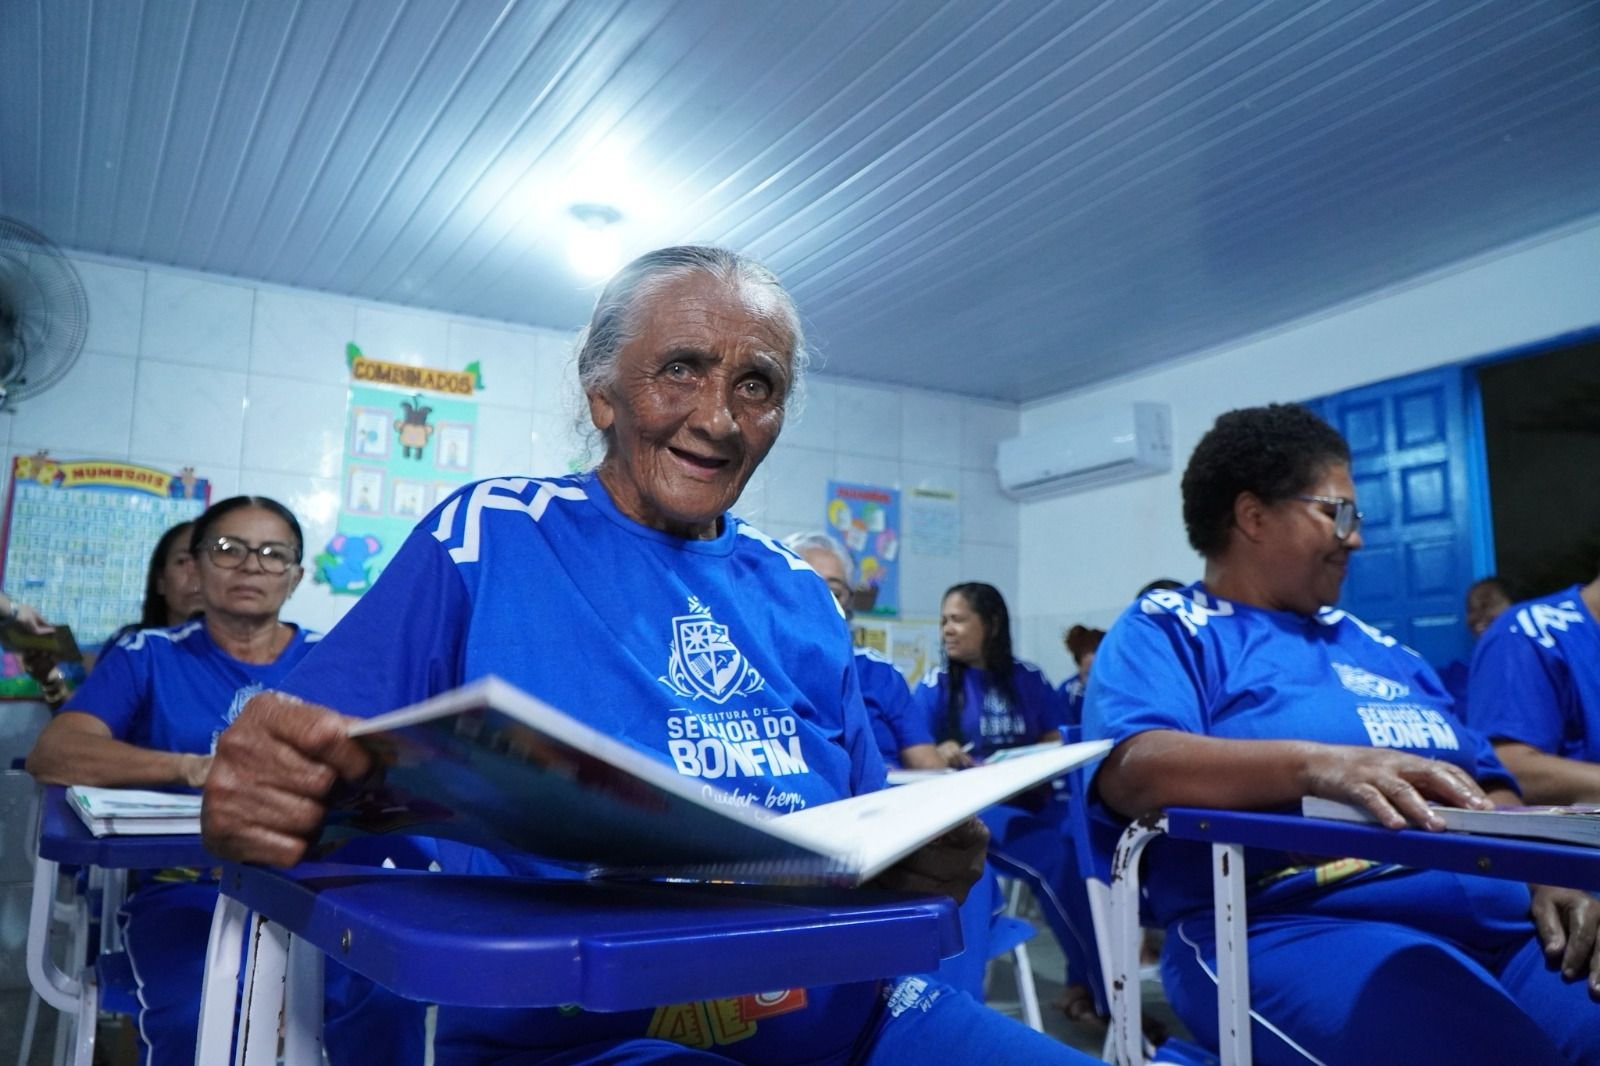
[412, 428]
[344, 564]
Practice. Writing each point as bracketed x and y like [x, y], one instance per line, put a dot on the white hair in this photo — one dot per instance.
[615, 319]
[817, 540]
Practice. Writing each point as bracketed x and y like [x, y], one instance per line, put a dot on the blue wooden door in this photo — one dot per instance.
[1412, 460]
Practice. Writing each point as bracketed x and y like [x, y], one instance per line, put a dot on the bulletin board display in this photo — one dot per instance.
[77, 542]
[410, 441]
[867, 519]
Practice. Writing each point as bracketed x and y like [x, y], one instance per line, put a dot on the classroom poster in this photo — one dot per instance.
[867, 519]
[77, 543]
[410, 441]
[933, 522]
[911, 644]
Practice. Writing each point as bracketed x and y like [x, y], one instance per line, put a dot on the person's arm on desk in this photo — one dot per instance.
[1549, 778]
[78, 749]
[267, 793]
[1164, 768]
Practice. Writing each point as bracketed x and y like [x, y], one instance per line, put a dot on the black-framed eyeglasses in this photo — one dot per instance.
[1346, 519]
[230, 553]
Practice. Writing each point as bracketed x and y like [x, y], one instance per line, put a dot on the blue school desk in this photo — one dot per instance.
[64, 841]
[522, 942]
[1230, 832]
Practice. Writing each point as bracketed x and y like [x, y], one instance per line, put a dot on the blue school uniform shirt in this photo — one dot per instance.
[1188, 661]
[990, 721]
[895, 722]
[1536, 677]
[174, 689]
[726, 659]
[1072, 690]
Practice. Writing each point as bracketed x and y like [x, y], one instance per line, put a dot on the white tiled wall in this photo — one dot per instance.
[248, 384]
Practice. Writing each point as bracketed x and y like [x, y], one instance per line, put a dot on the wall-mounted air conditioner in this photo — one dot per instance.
[1124, 441]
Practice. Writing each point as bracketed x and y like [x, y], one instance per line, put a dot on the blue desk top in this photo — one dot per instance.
[609, 946]
[1492, 856]
[64, 838]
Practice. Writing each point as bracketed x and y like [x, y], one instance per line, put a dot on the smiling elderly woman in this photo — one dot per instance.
[1247, 691]
[579, 590]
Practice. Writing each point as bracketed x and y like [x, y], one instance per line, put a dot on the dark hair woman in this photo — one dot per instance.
[984, 700]
[150, 713]
[1246, 691]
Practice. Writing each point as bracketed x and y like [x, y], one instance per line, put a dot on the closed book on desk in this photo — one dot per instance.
[489, 763]
[135, 812]
[1577, 824]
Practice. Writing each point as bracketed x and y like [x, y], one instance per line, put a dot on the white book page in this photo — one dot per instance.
[879, 829]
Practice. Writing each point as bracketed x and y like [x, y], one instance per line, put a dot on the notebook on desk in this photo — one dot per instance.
[134, 812]
[1575, 824]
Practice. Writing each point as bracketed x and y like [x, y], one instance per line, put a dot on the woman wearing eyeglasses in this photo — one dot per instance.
[1248, 691]
[158, 698]
[149, 716]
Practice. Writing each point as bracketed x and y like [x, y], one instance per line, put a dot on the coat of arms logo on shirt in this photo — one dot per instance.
[1366, 683]
[705, 662]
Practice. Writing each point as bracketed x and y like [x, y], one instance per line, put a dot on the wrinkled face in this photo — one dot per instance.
[248, 591]
[1485, 603]
[827, 565]
[178, 584]
[961, 630]
[1305, 563]
[696, 404]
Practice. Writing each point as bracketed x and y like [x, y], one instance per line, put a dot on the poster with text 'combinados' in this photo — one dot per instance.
[410, 441]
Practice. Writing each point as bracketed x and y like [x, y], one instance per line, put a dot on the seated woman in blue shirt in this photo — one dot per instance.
[149, 717]
[1247, 691]
[630, 596]
[1535, 686]
[985, 700]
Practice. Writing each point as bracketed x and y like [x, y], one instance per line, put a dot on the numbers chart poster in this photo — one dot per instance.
[867, 519]
[77, 544]
[410, 441]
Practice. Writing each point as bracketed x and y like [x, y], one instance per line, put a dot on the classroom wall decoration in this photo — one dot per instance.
[409, 442]
[867, 519]
[77, 543]
[911, 644]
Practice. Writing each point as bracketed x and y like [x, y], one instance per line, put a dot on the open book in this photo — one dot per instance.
[489, 763]
[134, 812]
[1578, 824]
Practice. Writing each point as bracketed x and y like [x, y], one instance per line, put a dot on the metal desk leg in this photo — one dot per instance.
[219, 991]
[302, 1009]
[264, 972]
[56, 988]
[1126, 1006]
[1233, 954]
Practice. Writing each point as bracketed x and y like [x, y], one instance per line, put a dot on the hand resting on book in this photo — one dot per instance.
[275, 766]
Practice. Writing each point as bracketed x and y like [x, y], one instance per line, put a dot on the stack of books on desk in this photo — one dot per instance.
[134, 812]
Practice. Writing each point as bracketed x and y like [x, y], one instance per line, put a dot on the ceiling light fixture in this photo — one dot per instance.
[593, 248]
